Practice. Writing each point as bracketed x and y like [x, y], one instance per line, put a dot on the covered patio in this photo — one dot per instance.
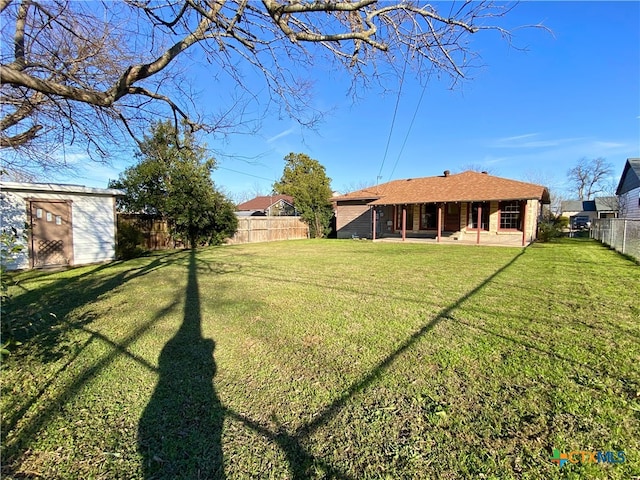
[466, 208]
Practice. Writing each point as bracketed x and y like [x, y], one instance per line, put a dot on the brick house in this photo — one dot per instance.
[466, 206]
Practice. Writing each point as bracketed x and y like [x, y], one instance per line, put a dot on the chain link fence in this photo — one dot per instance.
[622, 234]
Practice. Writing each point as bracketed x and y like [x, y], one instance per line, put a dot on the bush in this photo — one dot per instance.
[130, 240]
[12, 326]
[550, 227]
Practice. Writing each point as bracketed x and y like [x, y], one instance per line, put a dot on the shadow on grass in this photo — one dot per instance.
[182, 421]
[179, 434]
[302, 463]
[47, 308]
[44, 342]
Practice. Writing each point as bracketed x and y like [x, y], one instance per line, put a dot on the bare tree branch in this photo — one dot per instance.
[86, 72]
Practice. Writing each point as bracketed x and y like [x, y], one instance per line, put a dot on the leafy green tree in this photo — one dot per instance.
[305, 179]
[172, 180]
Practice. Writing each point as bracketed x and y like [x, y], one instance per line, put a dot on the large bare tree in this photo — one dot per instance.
[90, 72]
[589, 177]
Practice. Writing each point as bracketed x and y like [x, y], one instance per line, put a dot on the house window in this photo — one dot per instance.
[49, 217]
[510, 216]
[409, 209]
[473, 213]
[38, 213]
[428, 216]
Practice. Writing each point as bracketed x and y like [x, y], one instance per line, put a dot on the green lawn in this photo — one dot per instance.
[328, 359]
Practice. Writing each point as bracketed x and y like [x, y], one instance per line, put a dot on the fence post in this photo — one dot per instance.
[624, 237]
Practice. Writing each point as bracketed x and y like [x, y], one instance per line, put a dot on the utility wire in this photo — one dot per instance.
[393, 121]
[413, 119]
[243, 173]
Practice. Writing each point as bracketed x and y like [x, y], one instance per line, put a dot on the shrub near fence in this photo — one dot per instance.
[269, 229]
[622, 234]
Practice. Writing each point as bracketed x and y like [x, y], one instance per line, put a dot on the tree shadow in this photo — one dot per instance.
[44, 344]
[41, 316]
[302, 462]
[179, 433]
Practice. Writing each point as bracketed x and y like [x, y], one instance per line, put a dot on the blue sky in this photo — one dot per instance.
[528, 115]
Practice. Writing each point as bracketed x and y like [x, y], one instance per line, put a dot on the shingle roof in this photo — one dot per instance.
[263, 202]
[467, 186]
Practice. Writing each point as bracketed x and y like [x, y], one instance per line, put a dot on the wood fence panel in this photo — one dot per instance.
[250, 230]
[155, 230]
[269, 229]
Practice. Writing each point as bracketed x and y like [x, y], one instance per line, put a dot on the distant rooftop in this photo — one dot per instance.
[263, 202]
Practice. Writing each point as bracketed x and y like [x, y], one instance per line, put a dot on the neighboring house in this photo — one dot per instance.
[582, 212]
[267, 205]
[468, 205]
[628, 190]
[59, 225]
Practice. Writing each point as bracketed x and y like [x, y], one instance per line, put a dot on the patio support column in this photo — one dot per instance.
[373, 234]
[524, 222]
[439, 221]
[479, 223]
[404, 223]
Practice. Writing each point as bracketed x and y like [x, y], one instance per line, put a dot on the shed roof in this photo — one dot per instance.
[467, 186]
[58, 188]
[263, 202]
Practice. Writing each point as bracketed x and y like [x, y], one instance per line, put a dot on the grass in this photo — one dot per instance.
[328, 359]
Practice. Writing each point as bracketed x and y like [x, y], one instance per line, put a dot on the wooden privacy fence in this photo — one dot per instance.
[155, 230]
[250, 230]
[269, 229]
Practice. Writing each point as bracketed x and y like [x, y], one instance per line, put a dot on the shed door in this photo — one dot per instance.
[51, 239]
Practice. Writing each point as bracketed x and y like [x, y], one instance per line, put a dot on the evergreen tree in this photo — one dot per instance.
[305, 179]
[172, 180]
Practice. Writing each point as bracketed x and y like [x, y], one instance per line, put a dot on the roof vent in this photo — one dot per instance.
[447, 173]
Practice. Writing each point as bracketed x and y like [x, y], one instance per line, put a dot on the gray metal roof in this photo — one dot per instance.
[57, 188]
[604, 204]
[578, 206]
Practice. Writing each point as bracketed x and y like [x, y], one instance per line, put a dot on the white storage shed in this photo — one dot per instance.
[59, 225]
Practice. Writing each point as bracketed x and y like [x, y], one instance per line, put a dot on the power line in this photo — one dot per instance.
[244, 173]
[393, 121]
[415, 114]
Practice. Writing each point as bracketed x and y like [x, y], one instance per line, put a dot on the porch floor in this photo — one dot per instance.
[468, 239]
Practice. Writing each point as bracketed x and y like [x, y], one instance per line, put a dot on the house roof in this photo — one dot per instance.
[578, 206]
[606, 204]
[467, 186]
[57, 188]
[630, 177]
[263, 202]
[598, 204]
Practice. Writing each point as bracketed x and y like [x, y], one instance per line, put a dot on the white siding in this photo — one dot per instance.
[93, 229]
[13, 212]
[93, 219]
[630, 203]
